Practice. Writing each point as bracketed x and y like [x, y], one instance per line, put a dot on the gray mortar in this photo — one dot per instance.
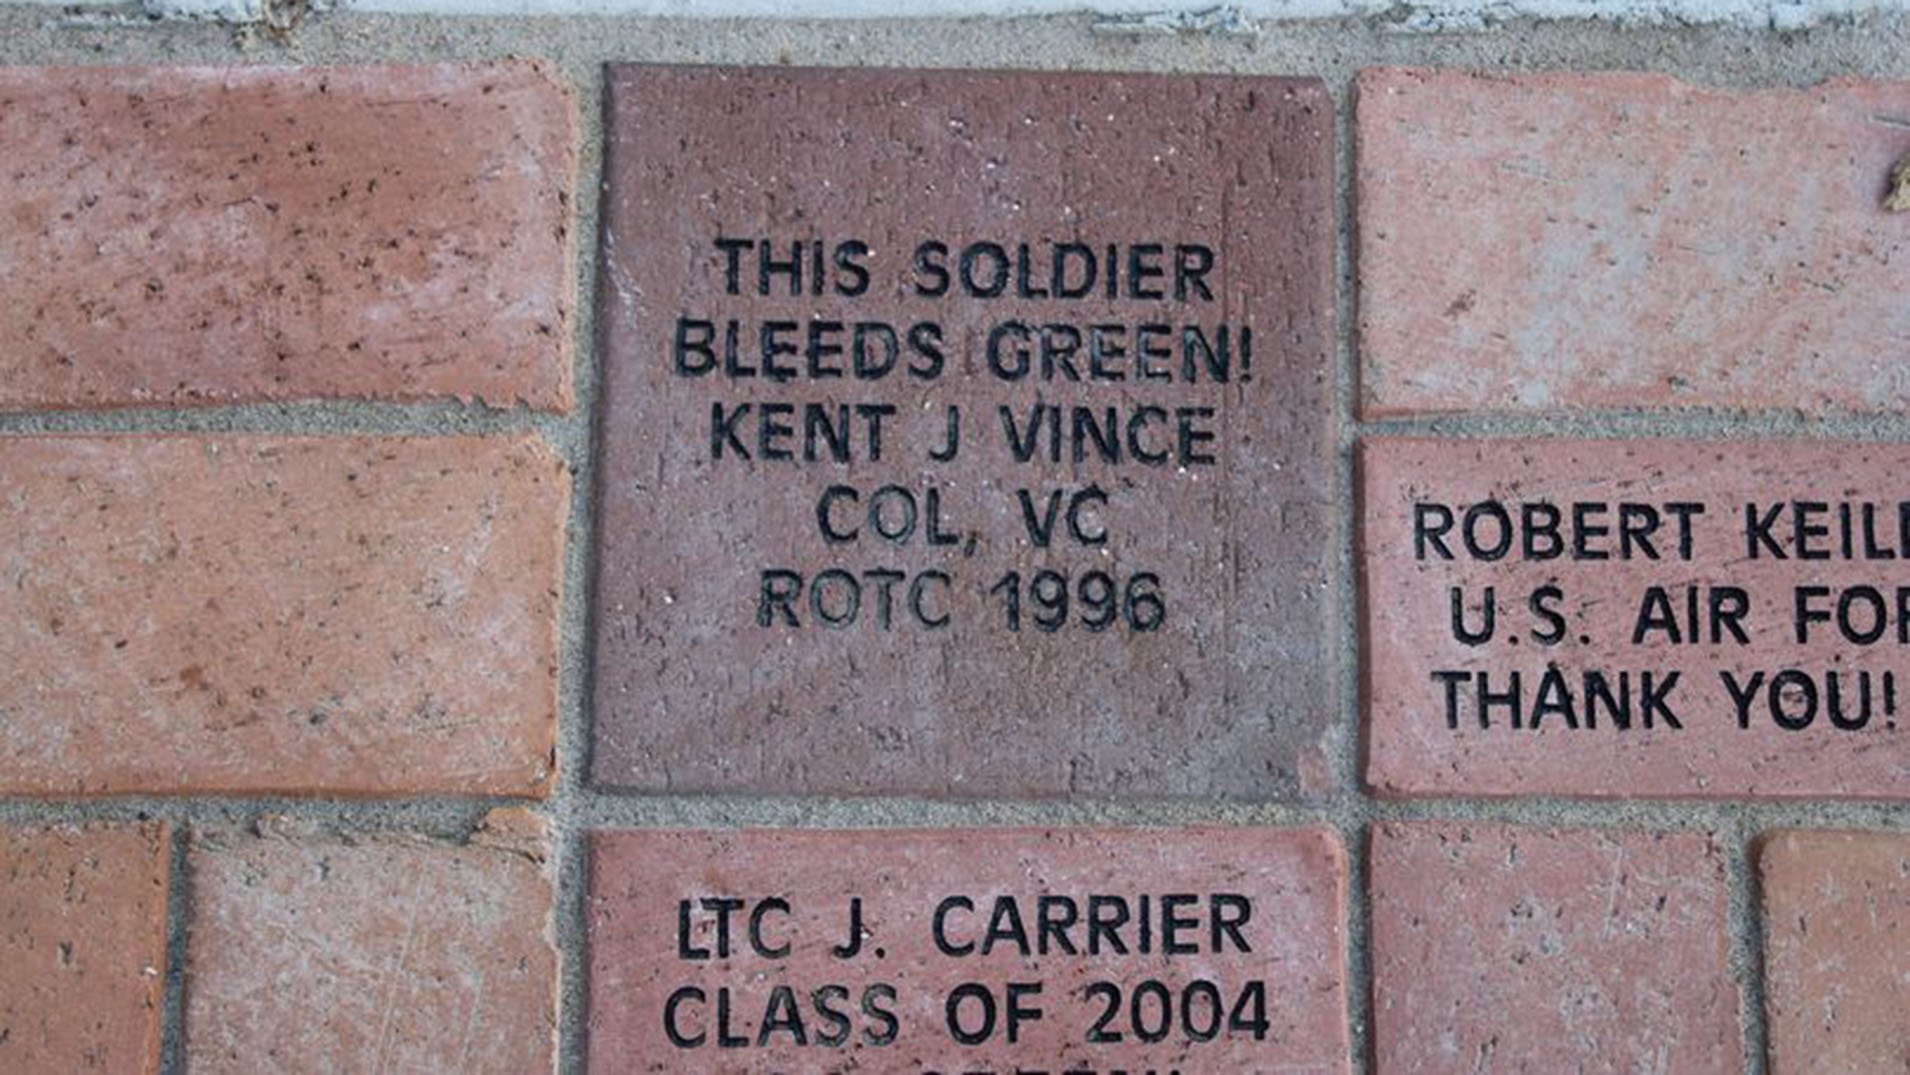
[1718, 55]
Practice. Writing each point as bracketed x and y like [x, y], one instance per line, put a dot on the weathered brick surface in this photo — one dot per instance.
[269, 614]
[373, 952]
[972, 651]
[1548, 241]
[1527, 950]
[930, 903]
[1837, 951]
[1820, 717]
[83, 944]
[196, 235]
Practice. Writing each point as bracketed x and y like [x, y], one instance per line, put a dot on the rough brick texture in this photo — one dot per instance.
[1524, 950]
[267, 614]
[83, 943]
[193, 235]
[312, 953]
[1837, 951]
[1758, 712]
[1557, 241]
[703, 686]
[1286, 888]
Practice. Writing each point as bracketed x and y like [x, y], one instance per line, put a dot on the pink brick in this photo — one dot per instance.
[1837, 951]
[703, 683]
[1559, 241]
[279, 615]
[1499, 949]
[1569, 738]
[178, 236]
[1280, 892]
[314, 953]
[83, 940]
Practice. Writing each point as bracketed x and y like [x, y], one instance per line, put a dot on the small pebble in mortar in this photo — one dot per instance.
[1898, 200]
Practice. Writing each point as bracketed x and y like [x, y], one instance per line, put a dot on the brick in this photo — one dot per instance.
[1836, 950]
[1506, 949]
[1561, 241]
[83, 940]
[250, 614]
[1820, 717]
[371, 952]
[705, 685]
[654, 940]
[182, 236]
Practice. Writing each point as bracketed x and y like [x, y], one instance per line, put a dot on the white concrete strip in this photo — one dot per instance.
[1120, 16]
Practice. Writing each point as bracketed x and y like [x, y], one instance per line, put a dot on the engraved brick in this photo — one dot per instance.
[750, 638]
[83, 941]
[1255, 980]
[371, 952]
[179, 236]
[1559, 241]
[252, 614]
[1836, 950]
[1670, 618]
[1506, 949]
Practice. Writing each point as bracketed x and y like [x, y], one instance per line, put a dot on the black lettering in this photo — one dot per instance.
[984, 1027]
[1430, 525]
[931, 270]
[851, 604]
[733, 262]
[1488, 617]
[1550, 628]
[723, 431]
[685, 948]
[782, 1016]
[1143, 265]
[1174, 925]
[886, 1025]
[695, 347]
[1192, 435]
[984, 269]
[918, 598]
[829, 532]
[777, 596]
[834, 1031]
[1054, 917]
[1192, 262]
[852, 279]
[774, 431]
[1494, 512]
[1653, 698]
[671, 1028]
[1106, 916]
[824, 343]
[1757, 532]
[758, 934]
[938, 926]
[1231, 915]
[925, 343]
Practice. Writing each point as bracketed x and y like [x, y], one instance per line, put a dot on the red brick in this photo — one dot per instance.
[1529, 950]
[1558, 241]
[1412, 745]
[263, 614]
[180, 236]
[371, 952]
[1837, 951]
[83, 940]
[1292, 879]
[703, 684]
